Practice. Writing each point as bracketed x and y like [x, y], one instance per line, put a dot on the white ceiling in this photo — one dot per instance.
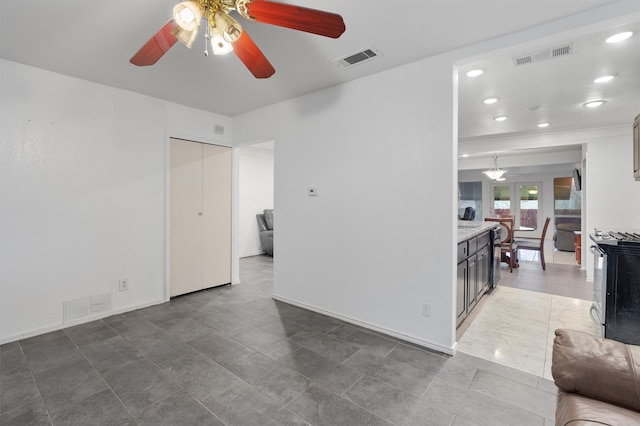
[554, 90]
[94, 40]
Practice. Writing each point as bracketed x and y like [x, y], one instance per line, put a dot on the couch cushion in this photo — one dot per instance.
[577, 410]
[568, 227]
[597, 368]
[268, 218]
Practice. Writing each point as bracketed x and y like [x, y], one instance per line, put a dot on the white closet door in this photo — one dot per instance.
[216, 190]
[186, 217]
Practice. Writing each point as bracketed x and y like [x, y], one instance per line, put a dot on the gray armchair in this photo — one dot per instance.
[564, 237]
[265, 229]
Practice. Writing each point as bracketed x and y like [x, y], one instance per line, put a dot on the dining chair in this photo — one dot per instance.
[535, 244]
[508, 247]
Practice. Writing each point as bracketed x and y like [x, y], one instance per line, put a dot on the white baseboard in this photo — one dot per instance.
[84, 320]
[396, 334]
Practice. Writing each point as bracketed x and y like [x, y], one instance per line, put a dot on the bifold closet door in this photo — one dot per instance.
[216, 187]
[200, 222]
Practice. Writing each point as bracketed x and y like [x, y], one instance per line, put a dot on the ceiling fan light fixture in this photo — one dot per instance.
[188, 15]
[185, 37]
[219, 45]
[229, 28]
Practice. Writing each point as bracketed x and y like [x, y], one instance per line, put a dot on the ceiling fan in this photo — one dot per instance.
[226, 34]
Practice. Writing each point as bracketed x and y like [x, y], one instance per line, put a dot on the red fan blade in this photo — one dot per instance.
[157, 46]
[296, 17]
[252, 57]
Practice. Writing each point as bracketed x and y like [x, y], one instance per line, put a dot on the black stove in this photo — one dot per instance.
[617, 238]
[616, 284]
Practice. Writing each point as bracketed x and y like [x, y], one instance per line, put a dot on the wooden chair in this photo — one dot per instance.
[508, 248]
[535, 244]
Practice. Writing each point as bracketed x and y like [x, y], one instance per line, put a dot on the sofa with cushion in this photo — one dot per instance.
[265, 230]
[598, 380]
[564, 237]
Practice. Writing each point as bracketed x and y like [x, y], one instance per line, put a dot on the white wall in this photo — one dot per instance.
[613, 196]
[83, 184]
[378, 240]
[255, 194]
[361, 249]
[82, 181]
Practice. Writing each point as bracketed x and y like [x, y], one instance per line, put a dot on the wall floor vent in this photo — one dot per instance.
[362, 56]
[543, 55]
[86, 307]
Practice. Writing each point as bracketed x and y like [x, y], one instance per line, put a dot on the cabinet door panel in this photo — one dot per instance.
[484, 265]
[473, 281]
[461, 294]
[185, 219]
[216, 190]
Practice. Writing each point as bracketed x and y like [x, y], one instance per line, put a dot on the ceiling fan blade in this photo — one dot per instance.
[296, 17]
[157, 46]
[252, 57]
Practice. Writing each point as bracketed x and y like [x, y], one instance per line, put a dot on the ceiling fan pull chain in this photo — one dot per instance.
[207, 37]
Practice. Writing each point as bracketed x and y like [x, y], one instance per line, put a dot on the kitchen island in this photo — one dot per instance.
[475, 265]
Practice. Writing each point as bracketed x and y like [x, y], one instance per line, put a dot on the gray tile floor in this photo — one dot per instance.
[234, 356]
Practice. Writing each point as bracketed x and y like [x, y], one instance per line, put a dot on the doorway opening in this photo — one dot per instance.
[255, 195]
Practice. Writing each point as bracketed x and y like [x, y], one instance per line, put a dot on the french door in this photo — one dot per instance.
[520, 200]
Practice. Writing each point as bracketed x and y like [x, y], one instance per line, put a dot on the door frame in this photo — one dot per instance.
[167, 204]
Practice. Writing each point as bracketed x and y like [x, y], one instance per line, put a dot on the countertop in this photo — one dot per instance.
[470, 229]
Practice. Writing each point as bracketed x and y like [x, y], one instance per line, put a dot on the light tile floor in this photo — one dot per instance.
[516, 322]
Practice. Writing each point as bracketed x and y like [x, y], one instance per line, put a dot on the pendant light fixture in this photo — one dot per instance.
[495, 173]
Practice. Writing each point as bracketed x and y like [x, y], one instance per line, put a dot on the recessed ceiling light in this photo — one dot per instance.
[543, 125]
[475, 73]
[594, 104]
[603, 79]
[490, 101]
[500, 118]
[619, 37]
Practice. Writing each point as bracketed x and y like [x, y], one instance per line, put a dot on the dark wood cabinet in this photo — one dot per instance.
[474, 268]
[636, 147]
[461, 298]
[484, 270]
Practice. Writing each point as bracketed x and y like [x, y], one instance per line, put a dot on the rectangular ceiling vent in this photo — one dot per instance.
[357, 58]
[543, 55]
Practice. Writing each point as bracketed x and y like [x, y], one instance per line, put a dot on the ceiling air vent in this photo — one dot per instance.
[543, 55]
[356, 58]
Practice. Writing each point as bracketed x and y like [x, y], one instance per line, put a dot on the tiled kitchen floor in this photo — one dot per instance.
[233, 356]
[515, 326]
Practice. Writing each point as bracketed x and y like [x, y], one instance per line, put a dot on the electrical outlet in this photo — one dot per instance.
[426, 309]
[123, 284]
